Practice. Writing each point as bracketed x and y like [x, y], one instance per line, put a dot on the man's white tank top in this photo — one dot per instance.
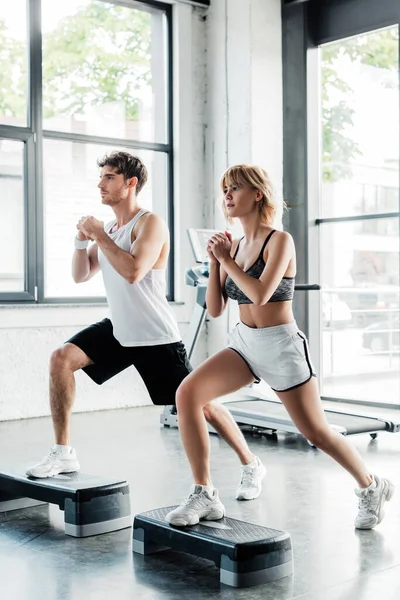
[140, 313]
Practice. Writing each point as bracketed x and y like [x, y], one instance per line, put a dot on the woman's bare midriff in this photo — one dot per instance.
[268, 315]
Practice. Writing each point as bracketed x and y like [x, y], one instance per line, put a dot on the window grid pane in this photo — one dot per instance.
[71, 177]
[103, 70]
[13, 63]
[12, 244]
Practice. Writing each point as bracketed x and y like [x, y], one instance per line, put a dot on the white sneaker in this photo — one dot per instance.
[200, 504]
[56, 462]
[250, 484]
[371, 504]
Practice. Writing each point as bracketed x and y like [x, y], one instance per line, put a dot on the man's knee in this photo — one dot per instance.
[65, 357]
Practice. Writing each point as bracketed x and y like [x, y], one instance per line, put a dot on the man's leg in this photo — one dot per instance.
[63, 363]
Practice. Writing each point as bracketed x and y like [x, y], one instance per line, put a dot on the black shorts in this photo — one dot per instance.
[162, 367]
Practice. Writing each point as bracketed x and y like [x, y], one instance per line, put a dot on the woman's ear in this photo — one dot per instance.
[259, 195]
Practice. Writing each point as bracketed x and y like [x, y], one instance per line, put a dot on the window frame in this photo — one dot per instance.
[33, 136]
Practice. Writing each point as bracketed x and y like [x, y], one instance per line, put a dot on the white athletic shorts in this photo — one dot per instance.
[278, 355]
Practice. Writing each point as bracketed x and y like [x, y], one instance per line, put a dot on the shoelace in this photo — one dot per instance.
[193, 501]
[51, 456]
[366, 502]
[247, 476]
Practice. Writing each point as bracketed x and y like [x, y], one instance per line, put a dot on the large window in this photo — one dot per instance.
[359, 217]
[341, 181]
[79, 78]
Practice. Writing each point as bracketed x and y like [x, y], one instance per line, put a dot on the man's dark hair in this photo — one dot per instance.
[127, 164]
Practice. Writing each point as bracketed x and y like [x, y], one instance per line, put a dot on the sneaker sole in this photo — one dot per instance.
[387, 495]
[54, 473]
[241, 497]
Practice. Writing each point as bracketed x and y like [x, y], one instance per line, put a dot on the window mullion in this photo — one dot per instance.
[35, 191]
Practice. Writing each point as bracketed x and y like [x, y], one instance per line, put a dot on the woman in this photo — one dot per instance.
[258, 271]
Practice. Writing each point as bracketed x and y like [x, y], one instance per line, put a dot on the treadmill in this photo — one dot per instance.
[252, 411]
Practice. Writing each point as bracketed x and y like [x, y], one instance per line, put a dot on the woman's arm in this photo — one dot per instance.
[259, 291]
[216, 298]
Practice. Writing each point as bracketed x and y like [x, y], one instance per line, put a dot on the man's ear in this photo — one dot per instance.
[132, 182]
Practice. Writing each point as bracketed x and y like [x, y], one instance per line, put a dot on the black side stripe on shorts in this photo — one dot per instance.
[257, 379]
[306, 354]
[307, 357]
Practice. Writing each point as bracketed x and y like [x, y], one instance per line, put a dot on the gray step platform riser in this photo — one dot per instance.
[145, 544]
[246, 554]
[257, 563]
[254, 578]
[233, 574]
[80, 531]
[97, 510]
[89, 508]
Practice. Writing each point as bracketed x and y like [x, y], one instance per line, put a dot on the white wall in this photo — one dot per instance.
[228, 109]
[244, 106]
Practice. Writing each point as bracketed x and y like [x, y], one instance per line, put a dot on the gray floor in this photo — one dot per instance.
[305, 493]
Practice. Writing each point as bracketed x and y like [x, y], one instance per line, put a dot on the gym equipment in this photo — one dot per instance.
[259, 413]
[246, 554]
[91, 505]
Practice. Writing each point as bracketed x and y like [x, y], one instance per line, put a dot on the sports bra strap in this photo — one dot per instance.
[263, 246]
[266, 242]
[237, 247]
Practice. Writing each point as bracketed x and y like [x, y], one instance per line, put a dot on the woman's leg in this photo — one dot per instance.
[306, 411]
[219, 417]
[305, 408]
[223, 373]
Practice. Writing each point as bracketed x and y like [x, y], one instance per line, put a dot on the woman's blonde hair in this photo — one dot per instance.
[247, 176]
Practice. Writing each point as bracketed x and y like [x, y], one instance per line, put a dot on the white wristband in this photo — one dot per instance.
[80, 244]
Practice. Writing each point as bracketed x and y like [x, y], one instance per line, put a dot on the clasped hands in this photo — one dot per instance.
[89, 228]
[219, 247]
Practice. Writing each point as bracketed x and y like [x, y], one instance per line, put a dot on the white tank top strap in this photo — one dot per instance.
[135, 219]
[140, 214]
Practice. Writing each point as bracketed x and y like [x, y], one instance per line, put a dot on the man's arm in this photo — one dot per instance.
[144, 252]
[85, 264]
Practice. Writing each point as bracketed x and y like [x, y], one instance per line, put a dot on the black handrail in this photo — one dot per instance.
[306, 287]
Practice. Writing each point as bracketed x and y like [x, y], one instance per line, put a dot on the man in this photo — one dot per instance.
[132, 253]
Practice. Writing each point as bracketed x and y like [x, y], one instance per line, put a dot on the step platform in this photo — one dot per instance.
[246, 554]
[92, 505]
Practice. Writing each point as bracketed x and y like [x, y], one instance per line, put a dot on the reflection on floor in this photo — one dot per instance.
[305, 493]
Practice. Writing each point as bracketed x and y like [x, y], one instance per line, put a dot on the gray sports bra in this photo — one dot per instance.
[283, 292]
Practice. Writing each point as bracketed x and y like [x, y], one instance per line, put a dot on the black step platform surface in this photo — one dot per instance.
[246, 554]
[91, 504]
